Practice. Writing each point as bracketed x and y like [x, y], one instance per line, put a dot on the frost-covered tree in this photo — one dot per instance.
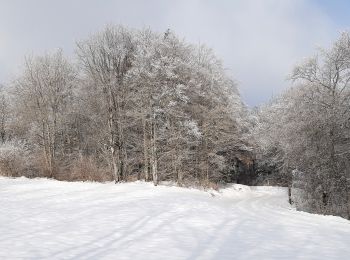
[161, 76]
[325, 91]
[167, 92]
[106, 58]
[139, 105]
[41, 99]
[305, 132]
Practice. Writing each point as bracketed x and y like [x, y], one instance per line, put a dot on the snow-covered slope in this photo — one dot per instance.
[46, 219]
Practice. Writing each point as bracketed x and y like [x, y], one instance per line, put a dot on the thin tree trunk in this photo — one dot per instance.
[115, 166]
[154, 154]
[145, 151]
[121, 141]
[112, 141]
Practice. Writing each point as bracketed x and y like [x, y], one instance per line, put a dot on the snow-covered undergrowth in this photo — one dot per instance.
[47, 219]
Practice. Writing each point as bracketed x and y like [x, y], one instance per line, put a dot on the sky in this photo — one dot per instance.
[259, 41]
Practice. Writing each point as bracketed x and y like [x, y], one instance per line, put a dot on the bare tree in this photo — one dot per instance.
[42, 94]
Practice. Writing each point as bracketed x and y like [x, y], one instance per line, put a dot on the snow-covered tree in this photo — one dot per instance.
[305, 132]
[41, 99]
[106, 58]
[140, 104]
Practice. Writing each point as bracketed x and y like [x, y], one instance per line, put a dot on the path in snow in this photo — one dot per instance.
[46, 219]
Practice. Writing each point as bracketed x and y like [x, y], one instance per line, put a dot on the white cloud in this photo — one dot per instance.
[258, 40]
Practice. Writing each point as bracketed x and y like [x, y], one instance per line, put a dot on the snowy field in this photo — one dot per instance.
[46, 219]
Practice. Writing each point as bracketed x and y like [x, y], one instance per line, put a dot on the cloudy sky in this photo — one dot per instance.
[258, 40]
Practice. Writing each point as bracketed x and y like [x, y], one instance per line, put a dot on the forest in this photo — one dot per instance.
[141, 105]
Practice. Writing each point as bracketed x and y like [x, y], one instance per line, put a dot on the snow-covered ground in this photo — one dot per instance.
[46, 219]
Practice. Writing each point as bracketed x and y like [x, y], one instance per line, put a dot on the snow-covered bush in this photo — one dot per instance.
[15, 159]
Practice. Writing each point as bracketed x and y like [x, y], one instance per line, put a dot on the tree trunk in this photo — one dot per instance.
[145, 151]
[154, 154]
[112, 141]
[115, 166]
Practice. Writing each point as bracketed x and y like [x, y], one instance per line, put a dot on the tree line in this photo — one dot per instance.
[132, 104]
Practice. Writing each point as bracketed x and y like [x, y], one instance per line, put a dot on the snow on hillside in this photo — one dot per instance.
[47, 219]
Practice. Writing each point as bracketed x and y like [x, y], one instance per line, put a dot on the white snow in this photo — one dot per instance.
[47, 219]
